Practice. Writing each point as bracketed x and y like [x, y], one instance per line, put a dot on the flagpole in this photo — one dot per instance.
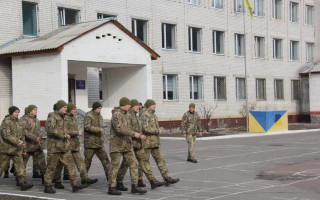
[245, 66]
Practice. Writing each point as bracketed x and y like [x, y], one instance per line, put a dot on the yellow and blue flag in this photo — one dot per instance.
[250, 8]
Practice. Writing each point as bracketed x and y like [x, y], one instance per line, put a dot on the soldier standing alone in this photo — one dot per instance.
[190, 126]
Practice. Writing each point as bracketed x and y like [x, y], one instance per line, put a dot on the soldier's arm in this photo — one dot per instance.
[52, 130]
[120, 129]
[147, 126]
[8, 135]
[26, 129]
[199, 123]
[73, 131]
[88, 127]
[184, 124]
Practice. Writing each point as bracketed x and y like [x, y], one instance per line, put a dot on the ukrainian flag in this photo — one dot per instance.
[249, 6]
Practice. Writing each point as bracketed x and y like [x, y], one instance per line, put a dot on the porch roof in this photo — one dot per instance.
[312, 68]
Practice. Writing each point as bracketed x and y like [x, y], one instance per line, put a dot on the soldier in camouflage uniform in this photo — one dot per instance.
[144, 164]
[121, 146]
[12, 146]
[71, 125]
[152, 143]
[190, 126]
[59, 148]
[34, 142]
[94, 138]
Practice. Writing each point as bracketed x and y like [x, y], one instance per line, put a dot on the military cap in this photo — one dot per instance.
[60, 104]
[26, 110]
[149, 103]
[96, 105]
[71, 106]
[30, 108]
[124, 101]
[134, 102]
[12, 109]
[192, 105]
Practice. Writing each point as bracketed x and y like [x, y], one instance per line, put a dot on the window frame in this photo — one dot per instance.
[217, 96]
[214, 41]
[239, 8]
[238, 93]
[294, 45]
[264, 89]
[274, 48]
[165, 90]
[190, 38]
[103, 16]
[256, 5]
[238, 43]
[257, 50]
[164, 36]
[34, 16]
[291, 13]
[194, 2]
[145, 30]
[279, 96]
[307, 51]
[295, 95]
[214, 4]
[200, 87]
[307, 20]
[275, 10]
[62, 16]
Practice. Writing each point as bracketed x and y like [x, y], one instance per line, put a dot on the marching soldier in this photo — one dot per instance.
[12, 146]
[190, 126]
[94, 138]
[152, 143]
[121, 146]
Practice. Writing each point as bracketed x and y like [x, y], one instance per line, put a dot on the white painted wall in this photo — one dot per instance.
[314, 87]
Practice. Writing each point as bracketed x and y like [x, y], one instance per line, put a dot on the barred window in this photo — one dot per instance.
[241, 88]
[220, 88]
[260, 89]
[295, 89]
[169, 87]
[278, 89]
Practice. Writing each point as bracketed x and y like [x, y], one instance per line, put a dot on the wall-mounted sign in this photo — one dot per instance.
[80, 84]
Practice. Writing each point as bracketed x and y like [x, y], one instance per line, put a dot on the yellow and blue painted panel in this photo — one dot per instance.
[268, 121]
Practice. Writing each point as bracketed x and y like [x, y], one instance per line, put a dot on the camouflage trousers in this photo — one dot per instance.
[130, 160]
[78, 161]
[18, 164]
[66, 159]
[101, 154]
[159, 160]
[144, 166]
[39, 161]
[191, 139]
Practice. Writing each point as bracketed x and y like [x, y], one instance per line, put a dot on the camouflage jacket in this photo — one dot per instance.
[136, 126]
[150, 127]
[120, 132]
[191, 123]
[71, 125]
[57, 133]
[11, 131]
[32, 130]
[93, 137]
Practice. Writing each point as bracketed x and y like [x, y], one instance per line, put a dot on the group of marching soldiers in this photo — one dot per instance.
[134, 136]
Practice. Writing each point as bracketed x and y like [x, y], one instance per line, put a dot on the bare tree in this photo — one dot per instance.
[243, 110]
[206, 112]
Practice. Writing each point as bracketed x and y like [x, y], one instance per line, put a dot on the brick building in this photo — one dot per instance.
[202, 46]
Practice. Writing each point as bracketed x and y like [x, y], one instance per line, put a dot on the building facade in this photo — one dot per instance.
[207, 48]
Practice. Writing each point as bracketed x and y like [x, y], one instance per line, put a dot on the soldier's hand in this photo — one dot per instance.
[68, 136]
[200, 134]
[80, 133]
[143, 137]
[38, 139]
[20, 143]
[159, 131]
[102, 130]
[184, 135]
[24, 153]
[137, 135]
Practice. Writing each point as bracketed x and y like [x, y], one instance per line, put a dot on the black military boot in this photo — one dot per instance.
[136, 189]
[121, 187]
[58, 185]
[42, 179]
[49, 189]
[36, 175]
[78, 187]
[170, 181]
[141, 184]
[66, 177]
[12, 170]
[113, 191]
[25, 186]
[89, 181]
[154, 183]
[6, 174]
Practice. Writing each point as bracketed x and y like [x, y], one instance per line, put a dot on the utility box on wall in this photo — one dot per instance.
[268, 121]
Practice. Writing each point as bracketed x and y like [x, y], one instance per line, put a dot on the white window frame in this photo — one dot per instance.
[164, 36]
[238, 6]
[104, 16]
[217, 95]
[35, 21]
[309, 52]
[239, 44]
[190, 35]
[264, 92]
[295, 95]
[145, 29]
[192, 85]
[278, 89]
[257, 5]
[214, 39]
[309, 16]
[174, 87]
[294, 50]
[194, 2]
[259, 47]
[62, 16]
[293, 12]
[217, 4]
[240, 92]
[276, 11]
[277, 42]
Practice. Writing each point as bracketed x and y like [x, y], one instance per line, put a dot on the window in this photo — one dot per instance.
[293, 12]
[260, 89]
[68, 16]
[29, 18]
[168, 36]
[309, 52]
[194, 39]
[277, 48]
[276, 9]
[220, 88]
[139, 29]
[104, 16]
[218, 42]
[100, 85]
[239, 44]
[217, 4]
[194, 2]
[309, 15]
[195, 87]
[258, 7]
[278, 89]
[294, 50]
[241, 88]
[238, 6]
[295, 89]
[169, 87]
[259, 47]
